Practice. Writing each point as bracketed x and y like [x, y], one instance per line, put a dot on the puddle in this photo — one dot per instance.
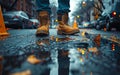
[42, 42]
[48, 41]
[75, 58]
[63, 62]
[12, 63]
[63, 39]
[81, 45]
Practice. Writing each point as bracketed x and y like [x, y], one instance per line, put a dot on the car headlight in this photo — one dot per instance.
[85, 24]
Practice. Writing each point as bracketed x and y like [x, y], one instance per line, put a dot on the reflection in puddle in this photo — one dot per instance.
[33, 60]
[113, 47]
[44, 55]
[81, 45]
[97, 40]
[63, 61]
[93, 49]
[63, 39]
[42, 42]
[52, 37]
[26, 72]
[16, 62]
[82, 50]
[79, 59]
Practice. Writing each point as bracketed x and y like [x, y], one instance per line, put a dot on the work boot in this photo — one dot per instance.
[65, 18]
[44, 24]
[33, 60]
[64, 28]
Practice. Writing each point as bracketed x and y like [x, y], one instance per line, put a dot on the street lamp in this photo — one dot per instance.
[56, 20]
[84, 4]
[78, 16]
[78, 19]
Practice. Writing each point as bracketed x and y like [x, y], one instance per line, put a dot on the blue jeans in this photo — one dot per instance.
[43, 5]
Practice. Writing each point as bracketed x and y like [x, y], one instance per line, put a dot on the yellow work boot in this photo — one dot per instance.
[65, 29]
[44, 24]
[65, 18]
[43, 30]
[33, 60]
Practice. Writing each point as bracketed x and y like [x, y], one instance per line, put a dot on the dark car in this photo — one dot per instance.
[101, 22]
[93, 23]
[16, 19]
[87, 24]
[113, 18]
[110, 19]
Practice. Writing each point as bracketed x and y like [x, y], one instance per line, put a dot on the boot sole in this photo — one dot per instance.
[42, 33]
[71, 33]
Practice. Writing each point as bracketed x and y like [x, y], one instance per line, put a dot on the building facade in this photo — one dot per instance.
[28, 6]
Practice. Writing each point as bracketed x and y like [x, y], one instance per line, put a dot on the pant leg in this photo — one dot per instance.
[63, 6]
[43, 5]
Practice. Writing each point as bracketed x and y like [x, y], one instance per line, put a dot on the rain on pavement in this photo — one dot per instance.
[63, 55]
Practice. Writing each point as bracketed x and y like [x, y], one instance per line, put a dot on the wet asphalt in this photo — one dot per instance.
[63, 54]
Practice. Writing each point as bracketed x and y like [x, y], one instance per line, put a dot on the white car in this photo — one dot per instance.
[16, 19]
[35, 23]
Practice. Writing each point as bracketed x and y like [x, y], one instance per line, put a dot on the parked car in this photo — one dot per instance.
[101, 22]
[87, 24]
[110, 19]
[93, 23]
[113, 18]
[35, 23]
[16, 19]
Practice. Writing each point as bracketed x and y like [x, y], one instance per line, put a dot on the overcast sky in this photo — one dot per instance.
[74, 5]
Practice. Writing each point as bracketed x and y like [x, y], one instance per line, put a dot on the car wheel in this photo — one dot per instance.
[108, 28]
[98, 27]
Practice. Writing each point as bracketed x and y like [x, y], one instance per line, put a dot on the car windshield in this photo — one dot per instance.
[19, 13]
[12, 12]
[34, 20]
[23, 14]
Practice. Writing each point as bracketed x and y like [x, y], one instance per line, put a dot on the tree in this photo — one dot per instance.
[95, 4]
[101, 2]
[12, 5]
[8, 6]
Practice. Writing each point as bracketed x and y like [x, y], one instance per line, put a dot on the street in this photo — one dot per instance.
[77, 54]
[83, 37]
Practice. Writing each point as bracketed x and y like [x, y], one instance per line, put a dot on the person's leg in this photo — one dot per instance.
[43, 5]
[63, 7]
[63, 10]
[43, 13]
